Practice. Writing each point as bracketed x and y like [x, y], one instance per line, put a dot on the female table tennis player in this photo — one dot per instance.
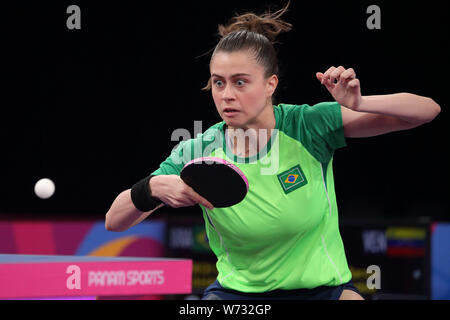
[282, 241]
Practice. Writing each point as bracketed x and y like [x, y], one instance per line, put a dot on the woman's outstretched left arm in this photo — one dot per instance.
[366, 116]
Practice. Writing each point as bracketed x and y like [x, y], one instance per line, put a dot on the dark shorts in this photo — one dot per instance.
[216, 292]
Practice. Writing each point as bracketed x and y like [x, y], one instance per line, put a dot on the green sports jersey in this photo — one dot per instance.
[285, 233]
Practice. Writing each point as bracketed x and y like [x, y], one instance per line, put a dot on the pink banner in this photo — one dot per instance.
[102, 278]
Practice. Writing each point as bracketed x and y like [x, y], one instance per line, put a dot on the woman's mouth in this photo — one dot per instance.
[230, 112]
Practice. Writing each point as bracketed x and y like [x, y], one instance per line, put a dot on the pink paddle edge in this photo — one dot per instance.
[222, 161]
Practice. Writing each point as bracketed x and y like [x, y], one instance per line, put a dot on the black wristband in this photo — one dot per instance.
[141, 195]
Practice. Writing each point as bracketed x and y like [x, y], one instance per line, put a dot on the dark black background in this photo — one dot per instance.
[94, 109]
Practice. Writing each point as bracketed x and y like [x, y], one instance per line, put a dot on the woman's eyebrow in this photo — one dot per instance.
[233, 76]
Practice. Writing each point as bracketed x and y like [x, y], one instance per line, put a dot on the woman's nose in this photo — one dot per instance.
[228, 93]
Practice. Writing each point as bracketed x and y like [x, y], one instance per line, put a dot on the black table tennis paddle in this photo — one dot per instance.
[217, 180]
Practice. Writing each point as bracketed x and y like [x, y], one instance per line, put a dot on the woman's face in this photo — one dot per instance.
[241, 93]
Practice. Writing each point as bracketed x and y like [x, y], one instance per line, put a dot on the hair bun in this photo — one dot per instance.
[267, 24]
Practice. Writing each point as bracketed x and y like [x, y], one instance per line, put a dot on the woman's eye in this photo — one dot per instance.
[218, 83]
[240, 83]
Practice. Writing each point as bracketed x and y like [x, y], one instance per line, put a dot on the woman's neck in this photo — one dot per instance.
[248, 140]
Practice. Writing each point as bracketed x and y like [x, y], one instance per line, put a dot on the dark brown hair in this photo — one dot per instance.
[255, 33]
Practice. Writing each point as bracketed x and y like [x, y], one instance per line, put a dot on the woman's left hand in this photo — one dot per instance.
[346, 91]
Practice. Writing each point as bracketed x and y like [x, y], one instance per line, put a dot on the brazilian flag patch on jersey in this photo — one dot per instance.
[292, 179]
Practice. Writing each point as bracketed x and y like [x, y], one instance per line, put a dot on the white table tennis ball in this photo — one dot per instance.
[44, 188]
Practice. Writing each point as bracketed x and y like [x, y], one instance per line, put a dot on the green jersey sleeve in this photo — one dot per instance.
[319, 127]
[188, 150]
[323, 123]
[174, 162]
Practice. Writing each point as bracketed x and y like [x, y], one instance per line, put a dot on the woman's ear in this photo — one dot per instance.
[272, 83]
